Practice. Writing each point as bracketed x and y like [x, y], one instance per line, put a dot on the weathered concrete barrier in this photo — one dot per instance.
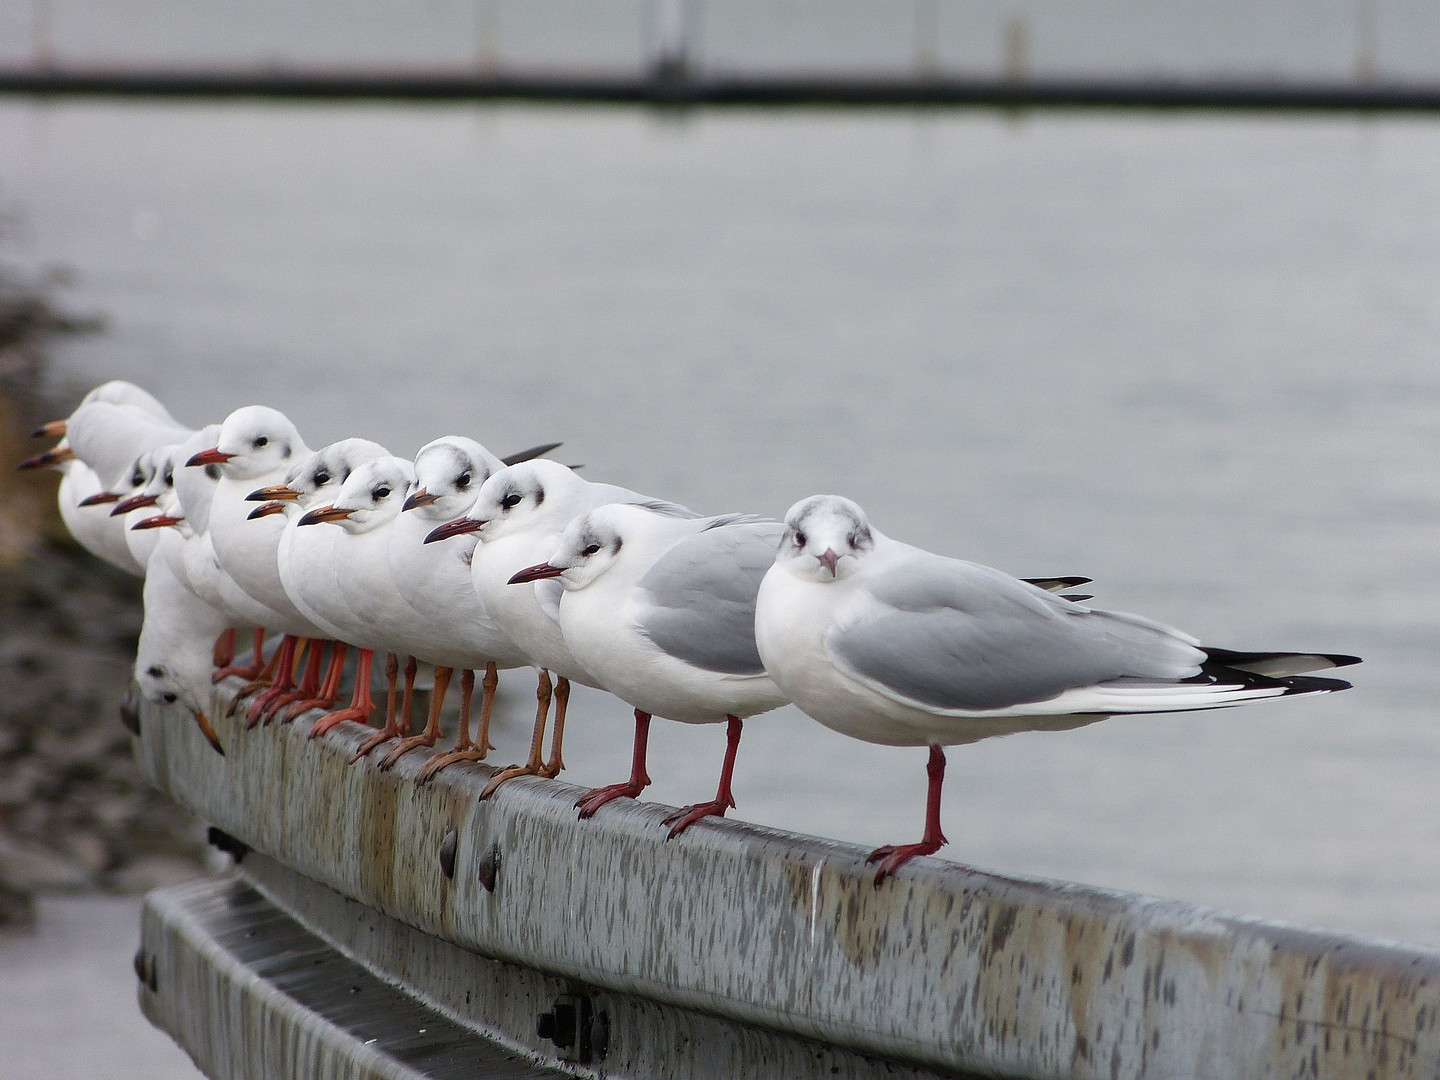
[750, 930]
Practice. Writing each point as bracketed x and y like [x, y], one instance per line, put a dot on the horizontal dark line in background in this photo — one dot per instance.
[756, 90]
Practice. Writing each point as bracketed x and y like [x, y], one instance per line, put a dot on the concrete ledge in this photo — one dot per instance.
[942, 966]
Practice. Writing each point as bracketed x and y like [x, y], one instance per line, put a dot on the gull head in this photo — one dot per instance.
[371, 497]
[826, 538]
[449, 472]
[254, 440]
[161, 681]
[532, 494]
[589, 546]
[316, 478]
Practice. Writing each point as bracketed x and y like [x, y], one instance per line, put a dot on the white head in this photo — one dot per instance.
[449, 472]
[316, 478]
[826, 538]
[254, 440]
[371, 497]
[592, 544]
[533, 495]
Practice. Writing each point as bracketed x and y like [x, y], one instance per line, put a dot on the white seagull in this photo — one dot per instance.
[519, 516]
[895, 645]
[661, 611]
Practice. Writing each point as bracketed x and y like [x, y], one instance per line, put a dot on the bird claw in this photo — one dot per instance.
[594, 800]
[432, 768]
[383, 735]
[330, 720]
[683, 818]
[893, 856]
[404, 747]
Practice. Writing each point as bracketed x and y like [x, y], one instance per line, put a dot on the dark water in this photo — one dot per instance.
[1192, 357]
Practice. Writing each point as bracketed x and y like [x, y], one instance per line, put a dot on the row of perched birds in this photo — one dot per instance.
[470, 563]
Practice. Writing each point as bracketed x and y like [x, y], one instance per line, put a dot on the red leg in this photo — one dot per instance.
[329, 690]
[223, 654]
[392, 725]
[361, 703]
[431, 735]
[284, 683]
[309, 682]
[250, 671]
[891, 857]
[684, 818]
[639, 779]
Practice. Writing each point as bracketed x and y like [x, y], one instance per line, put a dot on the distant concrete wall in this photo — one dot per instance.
[943, 967]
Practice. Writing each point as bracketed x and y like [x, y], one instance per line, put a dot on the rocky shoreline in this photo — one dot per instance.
[75, 814]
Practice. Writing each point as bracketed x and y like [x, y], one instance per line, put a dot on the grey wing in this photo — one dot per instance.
[949, 635]
[702, 594]
[603, 493]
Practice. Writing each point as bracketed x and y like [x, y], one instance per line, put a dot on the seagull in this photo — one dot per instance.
[363, 586]
[307, 567]
[449, 625]
[898, 646]
[256, 446]
[519, 516]
[661, 611]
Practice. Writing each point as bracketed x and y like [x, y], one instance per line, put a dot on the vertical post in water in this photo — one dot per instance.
[671, 60]
[43, 53]
[1016, 50]
[1367, 19]
[487, 36]
[927, 32]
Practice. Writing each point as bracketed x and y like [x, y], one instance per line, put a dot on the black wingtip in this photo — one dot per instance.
[1278, 665]
[527, 455]
[1311, 684]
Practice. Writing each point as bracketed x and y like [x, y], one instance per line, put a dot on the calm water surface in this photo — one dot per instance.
[1191, 357]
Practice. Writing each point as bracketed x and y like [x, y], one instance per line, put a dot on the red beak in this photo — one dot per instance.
[536, 573]
[265, 510]
[49, 458]
[458, 527]
[420, 498]
[134, 502]
[159, 521]
[829, 560]
[325, 513]
[213, 456]
[100, 498]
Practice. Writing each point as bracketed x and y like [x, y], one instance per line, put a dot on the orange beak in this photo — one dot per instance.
[274, 491]
[208, 730]
[325, 513]
[265, 510]
[420, 498]
[55, 429]
[49, 459]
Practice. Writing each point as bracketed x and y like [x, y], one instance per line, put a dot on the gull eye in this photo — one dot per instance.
[322, 478]
[800, 539]
[590, 549]
[169, 478]
[463, 482]
[169, 698]
[513, 499]
[261, 441]
[155, 671]
[381, 492]
[137, 479]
